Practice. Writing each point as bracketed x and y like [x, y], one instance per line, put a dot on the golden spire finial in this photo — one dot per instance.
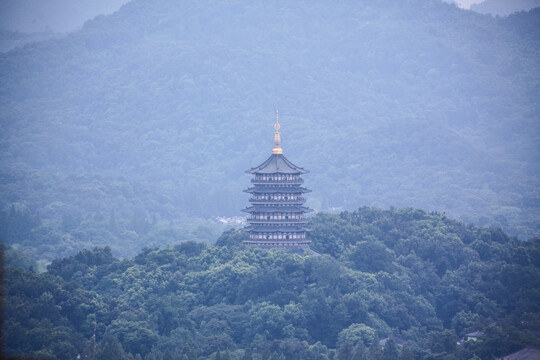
[277, 137]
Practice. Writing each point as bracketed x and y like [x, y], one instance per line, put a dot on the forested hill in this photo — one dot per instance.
[421, 277]
[154, 113]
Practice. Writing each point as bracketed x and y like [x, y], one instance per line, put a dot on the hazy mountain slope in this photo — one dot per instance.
[12, 39]
[160, 107]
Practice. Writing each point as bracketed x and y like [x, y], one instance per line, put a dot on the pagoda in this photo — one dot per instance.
[276, 215]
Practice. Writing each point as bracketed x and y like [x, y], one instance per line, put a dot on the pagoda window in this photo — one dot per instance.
[286, 217]
[287, 237]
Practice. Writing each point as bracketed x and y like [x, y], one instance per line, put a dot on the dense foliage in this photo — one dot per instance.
[419, 276]
[156, 111]
[69, 232]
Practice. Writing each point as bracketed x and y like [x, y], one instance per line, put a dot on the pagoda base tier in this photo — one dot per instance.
[275, 243]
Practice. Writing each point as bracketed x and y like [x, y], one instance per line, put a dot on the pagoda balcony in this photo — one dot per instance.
[298, 200]
[268, 182]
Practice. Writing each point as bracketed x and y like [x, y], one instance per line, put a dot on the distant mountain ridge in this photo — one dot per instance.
[13, 39]
[160, 107]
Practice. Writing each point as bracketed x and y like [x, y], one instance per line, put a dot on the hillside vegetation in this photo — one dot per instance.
[419, 276]
[154, 112]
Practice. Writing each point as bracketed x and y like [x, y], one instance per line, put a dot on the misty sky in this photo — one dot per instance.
[466, 4]
[68, 15]
[56, 15]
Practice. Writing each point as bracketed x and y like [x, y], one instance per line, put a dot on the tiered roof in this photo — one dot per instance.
[277, 189]
[277, 208]
[277, 163]
[270, 228]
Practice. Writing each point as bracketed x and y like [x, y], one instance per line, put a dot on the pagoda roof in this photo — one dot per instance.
[272, 209]
[277, 163]
[271, 189]
[270, 228]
